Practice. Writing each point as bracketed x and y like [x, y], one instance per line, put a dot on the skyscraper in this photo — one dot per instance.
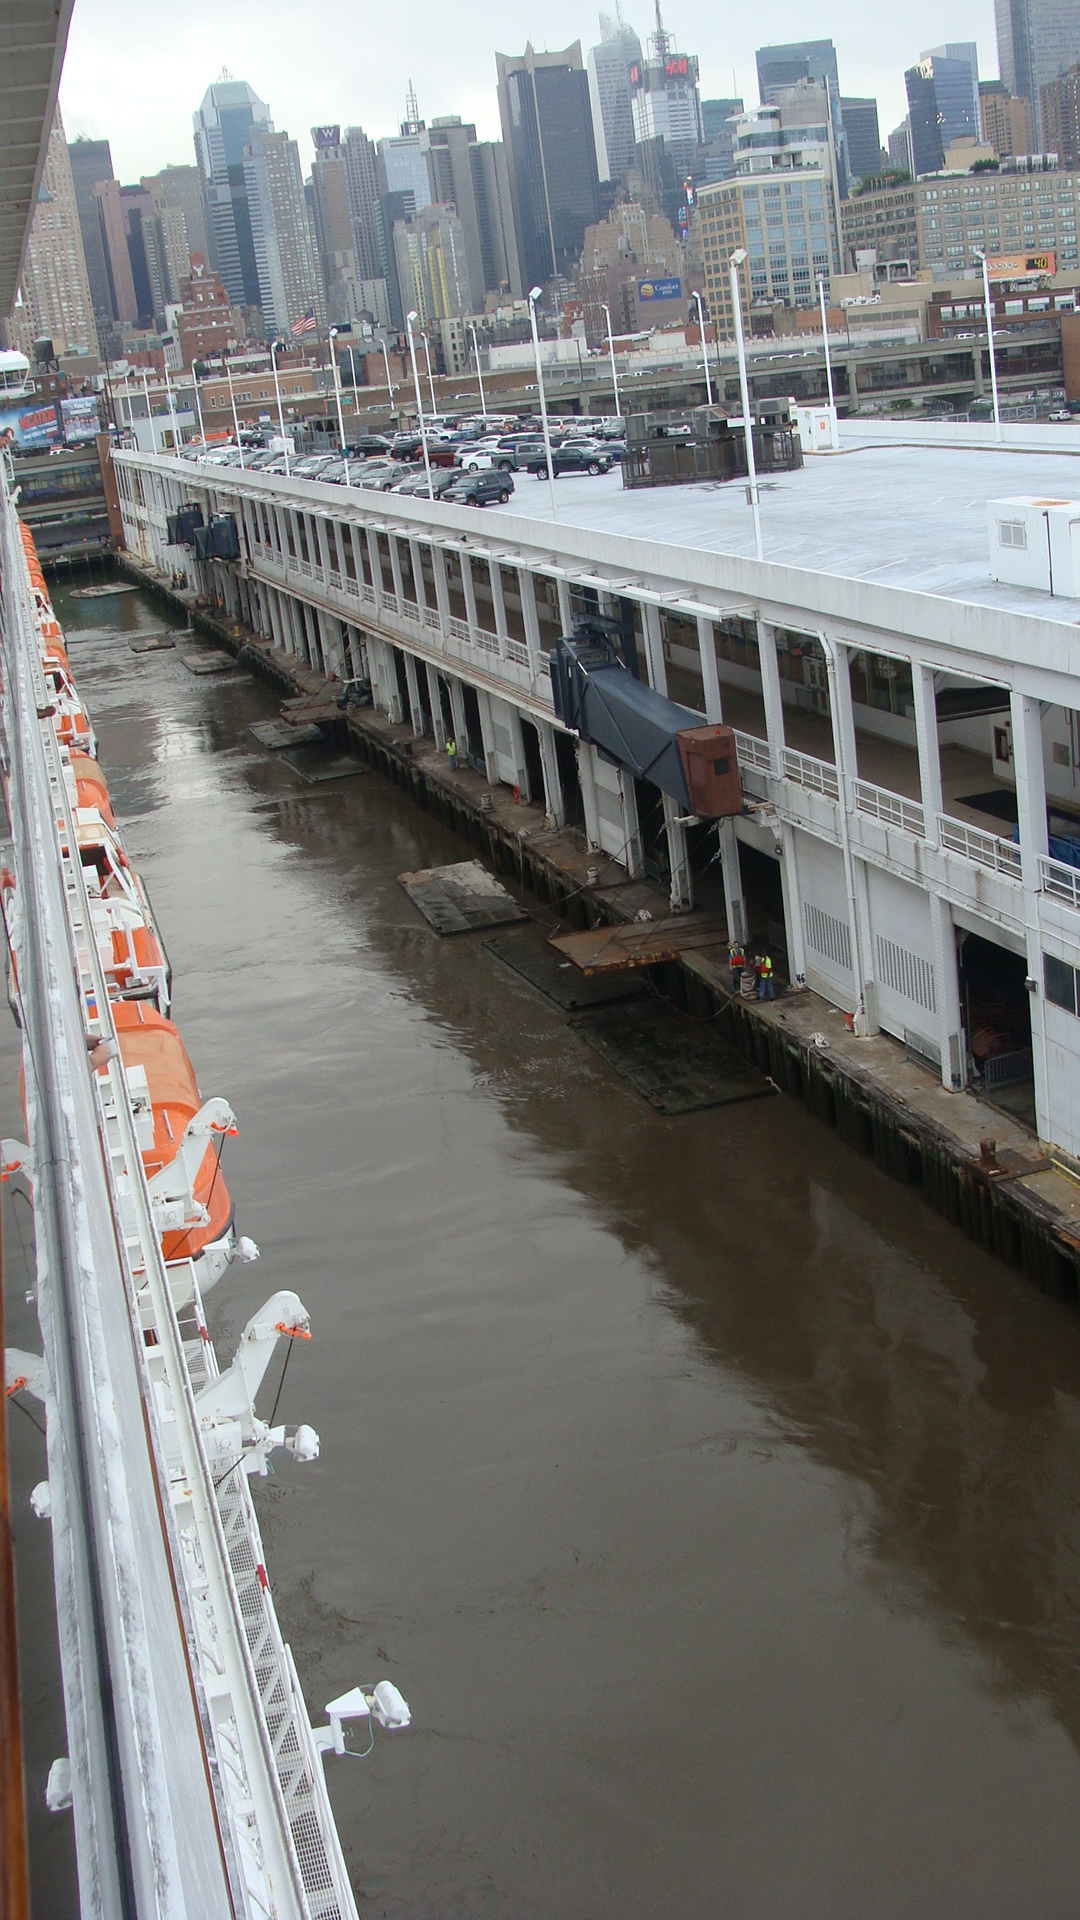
[863, 136]
[230, 114]
[942, 107]
[432, 269]
[609, 93]
[1061, 117]
[550, 155]
[112, 226]
[91, 162]
[362, 179]
[1037, 40]
[470, 175]
[665, 100]
[333, 225]
[1005, 121]
[795, 60]
[55, 301]
[180, 188]
[282, 240]
[717, 122]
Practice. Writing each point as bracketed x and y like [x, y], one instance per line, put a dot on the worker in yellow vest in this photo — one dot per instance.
[764, 969]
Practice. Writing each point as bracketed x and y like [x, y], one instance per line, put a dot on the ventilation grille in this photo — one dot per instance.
[907, 973]
[609, 806]
[828, 936]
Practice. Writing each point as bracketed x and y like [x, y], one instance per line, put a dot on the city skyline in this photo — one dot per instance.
[115, 50]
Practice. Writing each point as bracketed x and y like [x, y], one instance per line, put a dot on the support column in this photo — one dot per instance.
[789, 882]
[654, 647]
[457, 708]
[734, 904]
[1027, 753]
[770, 692]
[527, 590]
[926, 736]
[469, 591]
[710, 678]
[843, 732]
[634, 853]
[498, 605]
[434, 701]
[487, 733]
[395, 568]
[682, 886]
[418, 574]
[356, 538]
[442, 589]
[553, 793]
[416, 712]
[375, 566]
[587, 783]
[566, 611]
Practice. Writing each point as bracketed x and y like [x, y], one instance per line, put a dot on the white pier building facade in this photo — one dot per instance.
[902, 674]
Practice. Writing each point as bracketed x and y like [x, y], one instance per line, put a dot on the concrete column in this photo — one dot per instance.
[1027, 753]
[734, 904]
[442, 590]
[384, 677]
[553, 793]
[435, 704]
[654, 647]
[682, 886]
[457, 708]
[275, 623]
[926, 735]
[635, 852]
[375, 566]
[469, 591]
[710, 679]
[950, 1032]
[356, 539]
[770, 690]
[416, 713]
[322, 543]
[587, 782]
[789, 881]
[527, 589]
[395, 567]
[487, 731]
[498, 604]
[566, 612]
[843, 732]
[418, 573]
[521, 768]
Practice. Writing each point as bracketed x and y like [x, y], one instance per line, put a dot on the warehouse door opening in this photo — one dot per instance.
[996, 1010]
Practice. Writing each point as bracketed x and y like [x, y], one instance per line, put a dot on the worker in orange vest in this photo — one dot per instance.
[737, 963]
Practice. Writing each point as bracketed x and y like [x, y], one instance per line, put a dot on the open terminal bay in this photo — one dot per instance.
[713, 1503]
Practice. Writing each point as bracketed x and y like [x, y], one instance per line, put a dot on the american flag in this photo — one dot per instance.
[305, 324]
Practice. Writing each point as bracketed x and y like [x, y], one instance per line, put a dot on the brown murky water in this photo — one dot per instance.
[713, 1504]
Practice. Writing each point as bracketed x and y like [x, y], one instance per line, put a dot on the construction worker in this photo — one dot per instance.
[737, 963]
[764, 970]
[451, 754]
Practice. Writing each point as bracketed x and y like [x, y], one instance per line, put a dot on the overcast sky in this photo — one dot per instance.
[136, 72]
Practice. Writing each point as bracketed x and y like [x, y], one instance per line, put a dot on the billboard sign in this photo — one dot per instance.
[659, 289]
[30, 429]
[1016, 266]
[678, 67]
[635, 74]
[326, 136]
[80, 418]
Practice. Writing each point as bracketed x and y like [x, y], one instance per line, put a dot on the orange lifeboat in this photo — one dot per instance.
[91, 787]
[151, 1043]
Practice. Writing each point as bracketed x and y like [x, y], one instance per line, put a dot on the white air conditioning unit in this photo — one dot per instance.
[1035, 542]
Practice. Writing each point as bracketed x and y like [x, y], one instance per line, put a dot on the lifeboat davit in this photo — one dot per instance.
[180, 1137]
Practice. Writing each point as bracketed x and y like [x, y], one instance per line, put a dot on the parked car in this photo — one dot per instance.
[416, 486]
[382, 476]
[312, 464]
[1061, 413]
[367, 444]
[478, 489]
[567, 459]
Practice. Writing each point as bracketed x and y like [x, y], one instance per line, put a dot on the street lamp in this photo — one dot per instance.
[409, 318]
[534, 296]
[198, 405]
[232, 403]
[825, 336]
[389, 382]
[737, 260]
[606, 311]
[990, 338]
[337, 397]
[149, 415]
[172, 409]
[704, 348]
[479, 375]
[430, 381]
[280, 415]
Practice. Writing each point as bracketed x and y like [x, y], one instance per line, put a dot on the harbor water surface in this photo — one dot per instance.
[713, 1504]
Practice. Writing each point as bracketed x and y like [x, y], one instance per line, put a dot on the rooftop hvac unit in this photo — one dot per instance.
[225, 541]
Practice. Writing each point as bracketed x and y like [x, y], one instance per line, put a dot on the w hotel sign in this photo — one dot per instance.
[326, 136]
